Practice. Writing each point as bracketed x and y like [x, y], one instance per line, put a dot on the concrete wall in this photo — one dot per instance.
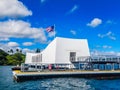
[65, 46]
[58, 51]
[29, 56]
[49, 54]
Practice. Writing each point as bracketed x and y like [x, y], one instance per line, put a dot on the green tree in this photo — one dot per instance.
[20, 51]
[38, 50]
[11, 59]
[15, 59]
[17, 50]
[18, 57]
[3, 59]
[11, 50]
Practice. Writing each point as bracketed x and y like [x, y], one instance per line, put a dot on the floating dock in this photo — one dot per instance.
[99, 68]
[22, 76]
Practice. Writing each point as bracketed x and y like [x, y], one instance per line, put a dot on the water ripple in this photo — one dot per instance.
[7, 83]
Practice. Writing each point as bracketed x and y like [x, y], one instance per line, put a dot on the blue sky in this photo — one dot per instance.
[23, 23]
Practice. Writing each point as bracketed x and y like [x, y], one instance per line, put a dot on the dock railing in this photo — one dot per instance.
[88, 62]
[45, 67]
[88, 59]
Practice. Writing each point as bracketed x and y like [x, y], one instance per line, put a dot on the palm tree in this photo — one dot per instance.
[20, 51]
[11, 50]
[17, 50]
[8, 51]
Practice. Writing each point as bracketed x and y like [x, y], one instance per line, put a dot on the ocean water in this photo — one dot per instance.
[7, 83]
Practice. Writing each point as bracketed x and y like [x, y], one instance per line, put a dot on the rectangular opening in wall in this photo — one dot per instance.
[72, 56]
[41, 58]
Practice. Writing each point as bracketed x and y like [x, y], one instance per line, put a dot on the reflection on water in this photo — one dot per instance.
[7, 83]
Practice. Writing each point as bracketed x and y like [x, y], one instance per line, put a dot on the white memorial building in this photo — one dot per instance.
[60, 51]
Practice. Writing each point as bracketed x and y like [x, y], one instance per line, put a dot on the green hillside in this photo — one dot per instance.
[11, 58]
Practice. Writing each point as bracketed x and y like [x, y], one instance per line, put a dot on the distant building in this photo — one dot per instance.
[60, 51]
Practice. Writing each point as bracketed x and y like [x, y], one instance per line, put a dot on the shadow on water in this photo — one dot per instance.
[68, 83]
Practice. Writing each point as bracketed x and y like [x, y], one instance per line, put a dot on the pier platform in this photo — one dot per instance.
[106, 74]
[84, 67]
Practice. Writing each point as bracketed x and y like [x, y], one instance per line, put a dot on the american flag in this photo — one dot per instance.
[50, 29]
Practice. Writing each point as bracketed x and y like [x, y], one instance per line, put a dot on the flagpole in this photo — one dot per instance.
[54, 31]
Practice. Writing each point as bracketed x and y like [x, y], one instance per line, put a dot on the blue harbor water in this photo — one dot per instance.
[7, 83]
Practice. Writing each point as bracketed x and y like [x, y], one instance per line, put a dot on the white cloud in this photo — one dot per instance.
[4, 46]
[42, 1]
[21, 29]
[13, 8]
[112, 37]
[95, 22]
[109, 34]
[28, 43]
[26, 50]
[73, 32]
[98, 46]
[4, 39]
[106, 46]
[101, 53]
[118, 54]
[109, 22]
[73, 9]
[100, 35]
[13, 44]
[52, 34]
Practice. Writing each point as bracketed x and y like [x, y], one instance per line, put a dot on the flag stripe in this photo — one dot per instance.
[50, 29]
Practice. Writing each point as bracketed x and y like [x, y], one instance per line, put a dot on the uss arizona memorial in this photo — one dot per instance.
[71, 53]
[65, 57]
[60, 51]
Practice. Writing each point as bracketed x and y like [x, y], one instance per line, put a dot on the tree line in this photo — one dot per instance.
[11, 57]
